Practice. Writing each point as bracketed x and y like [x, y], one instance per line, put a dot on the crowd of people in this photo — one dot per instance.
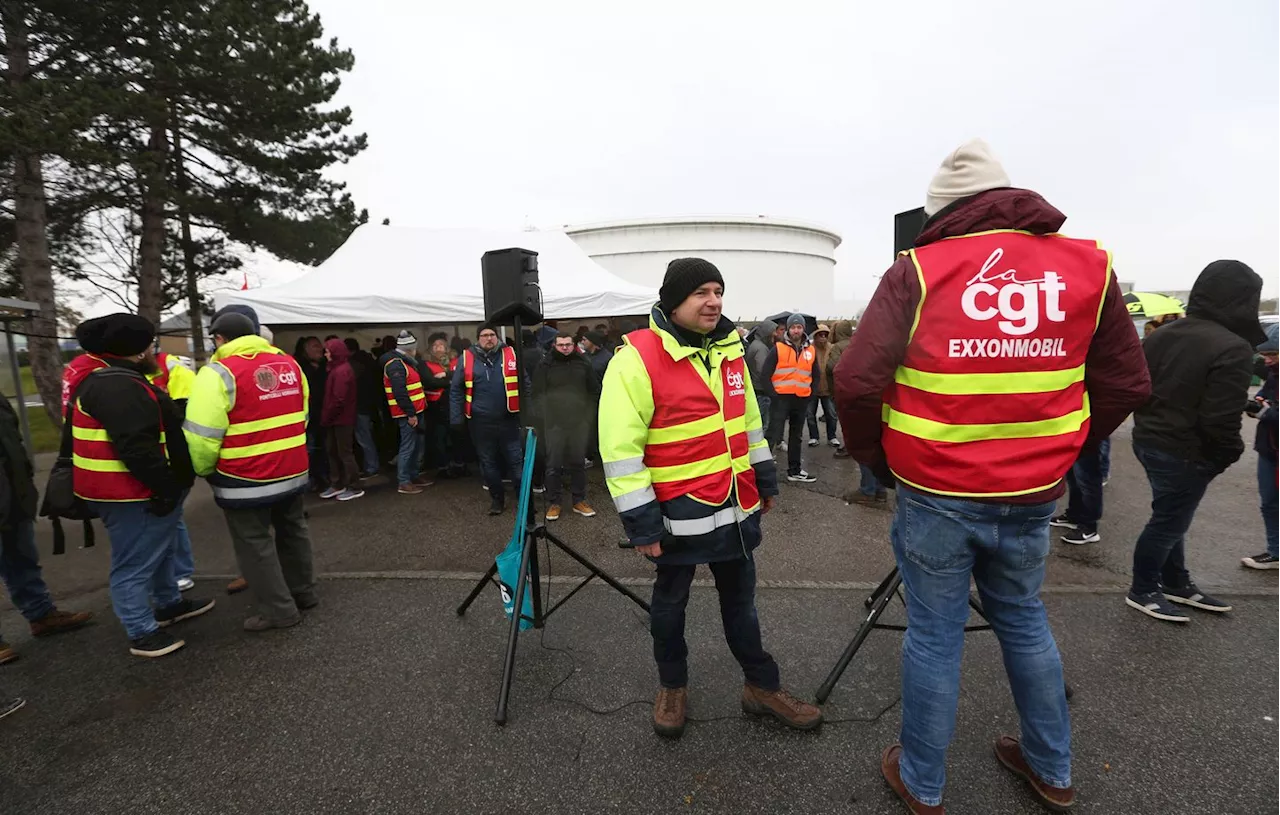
[980, 409]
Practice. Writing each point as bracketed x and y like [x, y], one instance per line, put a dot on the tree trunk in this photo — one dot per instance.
[34, 265]
[151, 244]
[195, 309]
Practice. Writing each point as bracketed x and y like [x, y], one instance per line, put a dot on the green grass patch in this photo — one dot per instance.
[44, 436]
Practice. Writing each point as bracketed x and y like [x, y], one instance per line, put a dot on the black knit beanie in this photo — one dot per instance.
[684, 276]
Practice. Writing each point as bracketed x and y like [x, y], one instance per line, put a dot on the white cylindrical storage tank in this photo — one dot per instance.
[769, 264]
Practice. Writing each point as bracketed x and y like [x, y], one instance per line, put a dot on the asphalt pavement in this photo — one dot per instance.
[382, 701]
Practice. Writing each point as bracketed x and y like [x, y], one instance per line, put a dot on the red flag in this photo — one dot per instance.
[244, 286]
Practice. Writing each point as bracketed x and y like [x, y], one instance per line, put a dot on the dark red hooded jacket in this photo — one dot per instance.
[1115, 369]
[339, 388]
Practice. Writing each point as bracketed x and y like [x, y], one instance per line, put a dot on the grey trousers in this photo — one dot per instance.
[278, 569]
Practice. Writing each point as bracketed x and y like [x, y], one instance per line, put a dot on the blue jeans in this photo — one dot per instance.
[364, 440]
[736, 585]
[1177, 486]
[939, 543]
[141, 562]
[869, 484]
[497, 443]
[1084, 491]
[409, 463]
[828, 416]
[184, 562]
[1270, 504]
[20, 570]
[1104, 457]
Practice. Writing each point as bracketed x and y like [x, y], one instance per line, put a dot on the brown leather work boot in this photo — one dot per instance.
[238, 585]
[1009, 753]
[55, 622]
[7, 654]
[893, 777]
[584, 509]
[781, 705]
[669, 711]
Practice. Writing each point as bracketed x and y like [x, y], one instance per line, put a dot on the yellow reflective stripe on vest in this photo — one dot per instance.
[686, 431]
[691, 469]
[411, 387]
[937, 431]
[989, 384]
[1012, 494]
[99, 465]
[270, 423]
[252, 450]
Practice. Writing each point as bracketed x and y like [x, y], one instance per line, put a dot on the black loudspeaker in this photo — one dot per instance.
[906, 228]
[511, 286]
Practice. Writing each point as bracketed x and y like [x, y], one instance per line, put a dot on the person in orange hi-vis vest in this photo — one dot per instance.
[686, 462]
[991, 354]
[132, 467]
[792, 368]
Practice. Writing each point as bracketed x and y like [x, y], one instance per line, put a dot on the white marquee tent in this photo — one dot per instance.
[406, 275]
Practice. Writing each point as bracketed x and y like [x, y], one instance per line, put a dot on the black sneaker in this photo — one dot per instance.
[1189, 595]
[156, 644]
[1153, 604]
[1081, 536]
[12, 706]
[1262, 561]
[802, 477]
[182, 610]
[497, 507]
[1063, 522]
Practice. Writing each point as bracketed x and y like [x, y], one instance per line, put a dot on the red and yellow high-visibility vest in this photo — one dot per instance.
[412, 382]
[161, 378]
[989, 400]
[794, 374]
[264, 451]
[98, 473]
[75, 372]
[696, 447]
[437, 369]
[510, 376]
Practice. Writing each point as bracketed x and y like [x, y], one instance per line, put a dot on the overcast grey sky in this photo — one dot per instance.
[1153, 125]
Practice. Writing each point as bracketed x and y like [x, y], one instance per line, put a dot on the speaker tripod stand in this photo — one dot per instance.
[875, 605]
[529, 573]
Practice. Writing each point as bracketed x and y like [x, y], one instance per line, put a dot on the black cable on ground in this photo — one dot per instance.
[573, 669]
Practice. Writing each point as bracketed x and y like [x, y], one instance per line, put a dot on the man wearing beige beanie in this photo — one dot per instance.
[968, 388]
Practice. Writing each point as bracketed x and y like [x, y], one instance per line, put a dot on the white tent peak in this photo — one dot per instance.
[402, 275]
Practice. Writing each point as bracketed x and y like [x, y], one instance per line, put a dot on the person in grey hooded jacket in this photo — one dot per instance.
[760, 343]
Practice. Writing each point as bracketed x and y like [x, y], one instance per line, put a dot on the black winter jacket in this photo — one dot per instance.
[1201, 367]
[566, 390]
[132, 422]
[18, 492]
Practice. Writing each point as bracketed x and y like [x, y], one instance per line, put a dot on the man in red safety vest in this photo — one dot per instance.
[132, 466]
[406, 401]
[485, 397]
[991, 353]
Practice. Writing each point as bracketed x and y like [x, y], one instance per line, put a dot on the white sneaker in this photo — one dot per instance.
[836, 443]
[186, 584]
[350, 495]
[332, 492]
[813, 442]
[802, 477]
[538, 490]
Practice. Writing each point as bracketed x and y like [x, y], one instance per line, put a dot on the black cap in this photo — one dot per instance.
[236, 308]
[684, 276]
[231, 325]
[89, 335]
[595, 338]
[126, 335]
